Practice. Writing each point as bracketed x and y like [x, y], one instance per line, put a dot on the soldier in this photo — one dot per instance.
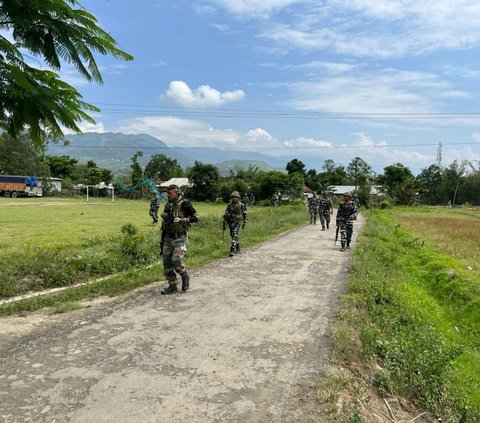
[177, 216]
[325, 209]
[312, 208]
[234, 216]
[154, 206]
[346, 214]
[356, 201]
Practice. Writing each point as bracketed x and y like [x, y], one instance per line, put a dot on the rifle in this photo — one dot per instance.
[336, 234]
[224, 227]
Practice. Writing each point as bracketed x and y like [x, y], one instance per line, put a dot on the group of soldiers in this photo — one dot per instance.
[179, 213]
[347, 212]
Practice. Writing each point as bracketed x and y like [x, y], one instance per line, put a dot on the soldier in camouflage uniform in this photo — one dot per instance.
[235, 216]
[154, 206]
[177, 216]
[313, 208]
[325, 209]
[346, 214]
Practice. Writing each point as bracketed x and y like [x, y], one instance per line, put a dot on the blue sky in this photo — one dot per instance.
[295, 78]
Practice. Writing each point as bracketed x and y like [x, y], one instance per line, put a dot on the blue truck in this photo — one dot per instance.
[15, 186]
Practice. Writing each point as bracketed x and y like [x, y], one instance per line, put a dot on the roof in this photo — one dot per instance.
[181, 182]
[340, 189]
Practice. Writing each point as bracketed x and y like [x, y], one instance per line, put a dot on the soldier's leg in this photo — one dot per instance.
[168, 269]
[314, 216]
[310, 211]
[327, 218]
[349, 232]
[322, 219]
[178, 260]
[155, 216]
[234, 228]
[343, 235]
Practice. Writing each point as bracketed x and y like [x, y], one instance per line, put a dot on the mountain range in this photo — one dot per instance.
[114, 151]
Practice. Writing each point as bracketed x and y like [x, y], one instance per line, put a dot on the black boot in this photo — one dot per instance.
[171, 289]
[343, 248]
[327, 225]
[232, 252]
[185, 281]
[237, 249]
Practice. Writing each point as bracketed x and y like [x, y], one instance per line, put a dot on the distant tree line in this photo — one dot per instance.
[457, 183]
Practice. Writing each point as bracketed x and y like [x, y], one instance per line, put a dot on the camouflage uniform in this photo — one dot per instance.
[177, 217]
[235, 216]
[154, 206]
[312, 209]
[324, 208]
[346, 214]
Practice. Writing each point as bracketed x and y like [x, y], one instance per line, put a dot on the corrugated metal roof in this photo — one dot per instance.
[181, 182]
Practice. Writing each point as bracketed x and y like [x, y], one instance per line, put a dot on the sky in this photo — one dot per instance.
[383, 80]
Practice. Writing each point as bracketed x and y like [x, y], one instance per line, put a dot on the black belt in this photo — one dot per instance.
[176, 235]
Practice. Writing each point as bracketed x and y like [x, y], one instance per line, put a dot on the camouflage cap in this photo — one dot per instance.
[347, 194]
[235, 194]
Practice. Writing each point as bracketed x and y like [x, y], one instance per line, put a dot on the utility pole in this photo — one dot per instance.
[455, 195]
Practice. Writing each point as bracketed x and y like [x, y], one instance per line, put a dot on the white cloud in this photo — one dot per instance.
[202, 97]
[381, 91]
[113, 69]
[367, 28]
[87, 127]
[307, 143]
[248, 8]
[258, 134]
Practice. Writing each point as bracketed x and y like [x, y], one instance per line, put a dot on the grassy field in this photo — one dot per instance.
[410, 320]
[49, 243]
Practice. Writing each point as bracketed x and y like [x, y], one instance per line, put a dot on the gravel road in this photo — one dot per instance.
[246, 343]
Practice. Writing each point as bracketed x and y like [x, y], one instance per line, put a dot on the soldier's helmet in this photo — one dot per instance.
[235, 194]
[347, 194]
[325, 192]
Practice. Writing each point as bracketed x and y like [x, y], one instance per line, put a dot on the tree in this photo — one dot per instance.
[61, 166]
[21, 157]
[332, 174]
[400, 183]
[429, 181]
[37, 100]
[163, 168]
[358, 170]
[204, 178]
[294, 166]
[137, 171]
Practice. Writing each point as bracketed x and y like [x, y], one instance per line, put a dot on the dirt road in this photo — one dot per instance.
[246, 344]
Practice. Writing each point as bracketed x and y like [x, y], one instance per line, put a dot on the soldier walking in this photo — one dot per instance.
[177, 216]
[235, 216]
[346, 214]
[154, 206]
[325, 209]
[312, 208]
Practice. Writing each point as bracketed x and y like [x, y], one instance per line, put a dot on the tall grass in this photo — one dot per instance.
[454, 231]
[415, 312]
[79, 242]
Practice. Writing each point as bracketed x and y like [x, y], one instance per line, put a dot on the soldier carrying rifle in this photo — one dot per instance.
[235, 216]
[346, 214]
[177, 216]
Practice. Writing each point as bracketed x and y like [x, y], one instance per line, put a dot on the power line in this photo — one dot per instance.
[271, 113]
[262, 148]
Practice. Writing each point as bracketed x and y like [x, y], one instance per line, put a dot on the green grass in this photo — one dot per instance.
[413, 312]
[59, 243]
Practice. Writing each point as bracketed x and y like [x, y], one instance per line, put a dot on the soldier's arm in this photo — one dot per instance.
[190, 212]
[244, 214]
